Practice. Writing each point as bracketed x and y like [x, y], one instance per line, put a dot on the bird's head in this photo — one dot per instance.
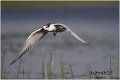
[49, 27]
[46, 27]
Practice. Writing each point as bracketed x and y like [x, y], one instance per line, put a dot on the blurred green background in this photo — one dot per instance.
[38, 4]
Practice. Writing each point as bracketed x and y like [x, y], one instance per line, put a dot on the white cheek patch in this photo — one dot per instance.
[45, 28]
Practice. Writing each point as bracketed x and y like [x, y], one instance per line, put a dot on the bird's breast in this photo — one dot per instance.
[52, 28]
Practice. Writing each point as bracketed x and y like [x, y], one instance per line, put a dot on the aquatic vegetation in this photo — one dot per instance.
[49, 60]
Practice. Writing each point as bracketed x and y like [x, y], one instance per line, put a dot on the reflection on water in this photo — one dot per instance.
[97, 26]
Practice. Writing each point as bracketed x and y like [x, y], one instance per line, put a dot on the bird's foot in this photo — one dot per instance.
[54, 33]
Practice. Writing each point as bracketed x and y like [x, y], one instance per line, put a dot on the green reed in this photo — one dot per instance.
[47, 66]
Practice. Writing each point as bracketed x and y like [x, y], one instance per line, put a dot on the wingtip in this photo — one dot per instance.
[12, 62]
[86, 43]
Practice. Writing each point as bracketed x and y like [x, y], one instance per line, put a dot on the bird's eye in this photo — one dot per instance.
[46, 26]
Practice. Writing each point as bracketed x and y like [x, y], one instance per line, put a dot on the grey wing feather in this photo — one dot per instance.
[30, 42]
[72, 33]
[76, 36]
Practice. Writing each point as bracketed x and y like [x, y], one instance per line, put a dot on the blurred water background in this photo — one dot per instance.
[95, 22]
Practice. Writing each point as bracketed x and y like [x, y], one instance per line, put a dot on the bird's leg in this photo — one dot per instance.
[54, 33]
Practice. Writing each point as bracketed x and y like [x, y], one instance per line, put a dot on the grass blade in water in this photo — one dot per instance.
[62, 67]
[71, 71]
[50, 67]
[29, 73]
[44, 66]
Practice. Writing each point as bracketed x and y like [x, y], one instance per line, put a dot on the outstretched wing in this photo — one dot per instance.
[76, 36]
[30, 42]
[72, 33]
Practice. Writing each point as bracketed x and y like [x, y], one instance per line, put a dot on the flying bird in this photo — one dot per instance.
[37, 35]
